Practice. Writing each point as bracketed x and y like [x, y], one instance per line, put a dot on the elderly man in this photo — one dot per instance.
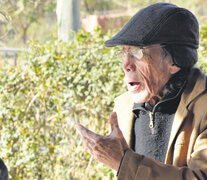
[159, 127]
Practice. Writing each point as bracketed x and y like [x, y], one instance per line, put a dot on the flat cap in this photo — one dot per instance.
[162, 23]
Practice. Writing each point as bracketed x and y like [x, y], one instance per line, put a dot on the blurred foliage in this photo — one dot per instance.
[91, 6]
[21, 15]
[202, 63]
[59, 85]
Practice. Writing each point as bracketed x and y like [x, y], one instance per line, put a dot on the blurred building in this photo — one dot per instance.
[107, 22]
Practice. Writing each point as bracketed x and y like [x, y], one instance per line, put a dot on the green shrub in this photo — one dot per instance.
[202, 63]
[59, 85]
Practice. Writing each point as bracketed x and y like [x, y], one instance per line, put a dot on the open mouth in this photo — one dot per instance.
[133, 86]
[133, 83]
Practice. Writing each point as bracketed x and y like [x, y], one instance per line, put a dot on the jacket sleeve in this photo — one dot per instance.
[137, 167]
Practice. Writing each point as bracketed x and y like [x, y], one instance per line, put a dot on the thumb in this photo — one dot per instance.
[114, 121]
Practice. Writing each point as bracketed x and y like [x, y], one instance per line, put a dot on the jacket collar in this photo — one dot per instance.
[196, 85]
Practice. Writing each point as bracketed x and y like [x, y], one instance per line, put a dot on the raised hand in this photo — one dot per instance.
[106, 149]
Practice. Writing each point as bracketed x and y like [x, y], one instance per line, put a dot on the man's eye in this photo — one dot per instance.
[137, 54]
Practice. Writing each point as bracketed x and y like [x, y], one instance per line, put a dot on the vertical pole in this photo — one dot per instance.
[68, 17]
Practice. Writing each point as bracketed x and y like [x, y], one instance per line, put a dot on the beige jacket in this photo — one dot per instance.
[186, 156]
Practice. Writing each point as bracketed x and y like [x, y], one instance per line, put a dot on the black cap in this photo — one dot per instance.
[162, 23]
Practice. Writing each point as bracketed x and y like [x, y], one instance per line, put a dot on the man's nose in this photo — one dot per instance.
[128, 63]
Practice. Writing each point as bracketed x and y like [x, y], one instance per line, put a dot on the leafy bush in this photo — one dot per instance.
[59, 85]
[202, 63]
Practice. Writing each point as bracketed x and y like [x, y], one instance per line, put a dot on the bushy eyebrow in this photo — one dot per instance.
[128, 47]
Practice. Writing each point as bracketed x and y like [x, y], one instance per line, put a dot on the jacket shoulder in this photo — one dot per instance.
[124, 101]
[123, 97]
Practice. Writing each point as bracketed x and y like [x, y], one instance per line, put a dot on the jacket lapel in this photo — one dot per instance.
[192, 90]
[123, 107]
[178, 121]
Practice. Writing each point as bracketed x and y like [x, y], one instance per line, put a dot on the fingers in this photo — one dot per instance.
[114, 121]
[107, 149]
[88, 137]
[86, 133]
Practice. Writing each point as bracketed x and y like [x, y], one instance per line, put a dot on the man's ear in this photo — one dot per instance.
[174, 69]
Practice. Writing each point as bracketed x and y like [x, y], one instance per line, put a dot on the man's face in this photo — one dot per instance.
[147, 75]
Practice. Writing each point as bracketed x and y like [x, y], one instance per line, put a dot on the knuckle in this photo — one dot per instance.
[98, 140]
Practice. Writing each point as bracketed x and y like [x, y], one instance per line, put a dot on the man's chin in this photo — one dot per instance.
[139, 97]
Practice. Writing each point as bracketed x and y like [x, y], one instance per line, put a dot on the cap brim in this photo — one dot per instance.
[118, 42]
